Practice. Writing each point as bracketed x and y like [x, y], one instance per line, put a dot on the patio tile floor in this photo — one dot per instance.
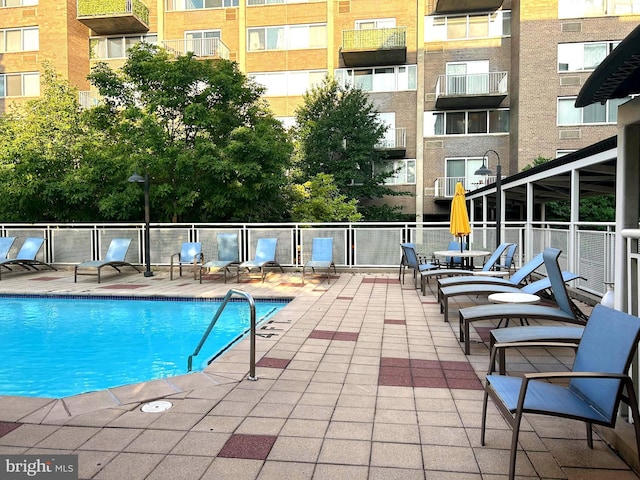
[359, 379]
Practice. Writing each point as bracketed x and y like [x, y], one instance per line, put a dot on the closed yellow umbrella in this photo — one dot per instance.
[459, 220]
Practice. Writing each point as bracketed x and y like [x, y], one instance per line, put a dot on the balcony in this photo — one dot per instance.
[473, 90]
[110, 17]
[445, 187]
[200, 47]
[445, 7]
[89, 99]
[394, 143]
[378, 46]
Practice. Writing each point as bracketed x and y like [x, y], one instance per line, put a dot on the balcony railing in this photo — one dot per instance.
[377, 46]
[374, 39]
[88, 99]
[395, 138]
[106, 17]
[490, 88]
[445, 187]
[200, 47]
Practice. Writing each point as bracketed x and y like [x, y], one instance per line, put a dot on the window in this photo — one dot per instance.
[475, 122]
[198, 4]
[290, 37]
[116, 47]
[282, 84]
[379, 79]
[459, 27]
[20, 84]
[401, 172]
[597, 8]
[467, 77]
[575, 57]
[19, 39]
[17, 3]
[568, 114]
[269, 2]
[203, 43]
[462, 169]
[375, 23]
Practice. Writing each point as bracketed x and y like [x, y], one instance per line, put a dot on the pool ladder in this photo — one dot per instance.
[252, 351]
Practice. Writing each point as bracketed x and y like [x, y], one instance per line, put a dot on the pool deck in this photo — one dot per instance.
[359, 379]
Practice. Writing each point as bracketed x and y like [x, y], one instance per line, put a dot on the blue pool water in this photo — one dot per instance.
[56, 347]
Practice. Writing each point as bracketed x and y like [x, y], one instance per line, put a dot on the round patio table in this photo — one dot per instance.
[466, 255]
[514, 297]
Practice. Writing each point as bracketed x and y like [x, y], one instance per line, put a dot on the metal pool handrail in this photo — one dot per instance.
[252, 351]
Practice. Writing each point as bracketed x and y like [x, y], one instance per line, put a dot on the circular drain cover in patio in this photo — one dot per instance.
[156, 407]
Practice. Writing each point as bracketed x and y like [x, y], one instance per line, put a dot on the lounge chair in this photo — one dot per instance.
[115, 258]
[596, 383]
[517, 279]
[265, 257]
[321, 257]
[486, 289]
[26, 257]
[488, 266]
[412, 262]
[565, 311]
[190, 254]
[5, 245]
[228, 255]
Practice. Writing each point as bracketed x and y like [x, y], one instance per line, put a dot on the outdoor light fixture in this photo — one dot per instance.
[484, 171]
[135, 178]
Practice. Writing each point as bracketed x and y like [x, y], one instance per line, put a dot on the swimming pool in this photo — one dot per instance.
[61, 346]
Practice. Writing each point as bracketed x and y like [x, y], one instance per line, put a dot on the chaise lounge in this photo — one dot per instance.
[115, 258]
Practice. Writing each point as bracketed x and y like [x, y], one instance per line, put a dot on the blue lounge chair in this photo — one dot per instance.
[5, 245]
[115, 258]
[228, 255]
[488, 288]
[321, 257]
[26, 257]
[265, 257]
[488, 266]
[421, 259]
[190, 254]
[413, 263]
[517, 279]
[598, 382]
[565, 311]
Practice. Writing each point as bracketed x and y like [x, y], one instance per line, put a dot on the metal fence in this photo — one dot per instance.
[587, 249]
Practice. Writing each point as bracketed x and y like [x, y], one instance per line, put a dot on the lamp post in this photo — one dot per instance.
[135, 178]
[484, 170]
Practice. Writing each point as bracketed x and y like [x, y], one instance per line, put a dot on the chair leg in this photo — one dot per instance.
[589, 435]
[483, 424]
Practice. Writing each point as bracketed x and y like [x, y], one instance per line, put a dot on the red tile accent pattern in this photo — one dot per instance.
[402, 372]
[44, 279]
[253, 447]
[485, 333]
[270, 362]
[331, 335]
[291, 284]
[6, 427]
[122, 287]
[395, 322]
[344, 298]
[386, 281]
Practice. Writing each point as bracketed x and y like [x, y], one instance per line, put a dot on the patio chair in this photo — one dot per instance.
[321, 257]
[115, 258]
[455, 261]
[565, 311]
[190, 254]
[5, 245]
[488, 266]
[509, 255]
[413, 263]
[265, 257]
[486, 289]
[517, 279]
[597, 382]
[228, 255]
[26, 257]
[421, 259]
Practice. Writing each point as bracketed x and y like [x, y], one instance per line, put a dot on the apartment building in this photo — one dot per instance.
[453, 79]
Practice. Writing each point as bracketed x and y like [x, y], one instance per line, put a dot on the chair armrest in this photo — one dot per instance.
[175, 255]
[550, 375]
[541, 344]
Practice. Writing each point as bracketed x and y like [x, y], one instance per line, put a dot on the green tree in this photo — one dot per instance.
[319, 200]
[337, 131]
[211, 147]
[43, 143]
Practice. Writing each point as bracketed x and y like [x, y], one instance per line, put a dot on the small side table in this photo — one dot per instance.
[514, 297]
